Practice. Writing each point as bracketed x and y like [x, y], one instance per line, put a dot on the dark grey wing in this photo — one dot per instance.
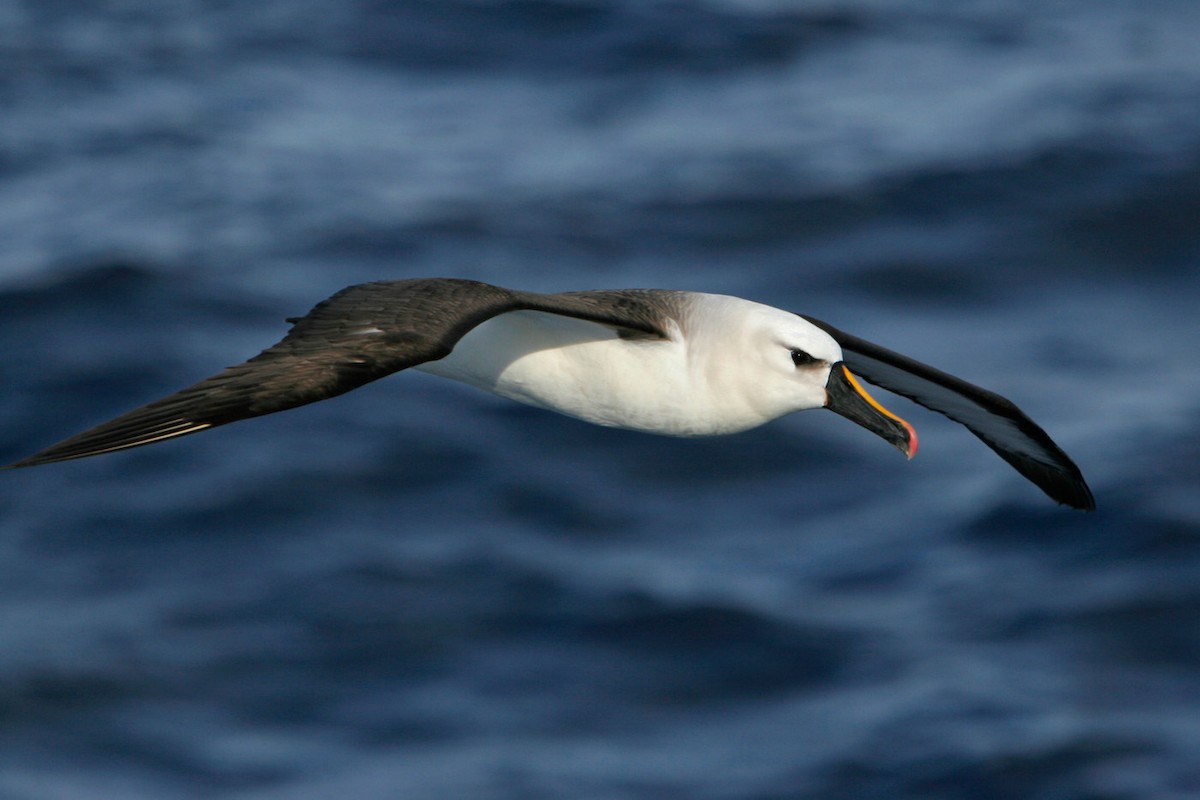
[994, 419]
[358, 335]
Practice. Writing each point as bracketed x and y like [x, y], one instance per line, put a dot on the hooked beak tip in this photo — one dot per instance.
[846, 396]
[911, 449]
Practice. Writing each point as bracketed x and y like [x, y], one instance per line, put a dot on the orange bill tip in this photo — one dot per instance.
[858, 387]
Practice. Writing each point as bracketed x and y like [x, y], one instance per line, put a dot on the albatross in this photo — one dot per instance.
[674, 363]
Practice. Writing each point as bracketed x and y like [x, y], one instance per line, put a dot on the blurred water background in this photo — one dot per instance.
[421, 591]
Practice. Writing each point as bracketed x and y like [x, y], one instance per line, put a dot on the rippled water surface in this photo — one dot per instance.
[421, 591]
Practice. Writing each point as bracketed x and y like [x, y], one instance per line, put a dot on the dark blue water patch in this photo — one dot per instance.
[388, 244]
[701, 653]
[604, 37]
[106, 282]
[64, 403]
[1062, 350]
[169, 505]
[1156, 556]
[1058, 771]
[313, 649]
[131, 291]
[881, 572]
[733, 219]
[741, 458]
[1046, 215]
[463, 235]
[163, 754]
[1159, 559]
[293, 650]
[53, 697]
[263, 647]
[90, 45]
[928, 282]
[596, 37]
[606, 477]
[565, 515]
[1123, 530]
[170, 141]
[1035, 527]
[1127, 525]
[96, 340]
[901, 239]
[295, 484]
[738, 217]
[1150, 631]
[525, 634]
[912, 227]
[1148, 229]
[1040, 183]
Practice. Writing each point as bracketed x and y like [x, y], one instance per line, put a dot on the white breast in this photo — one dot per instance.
[586, 370]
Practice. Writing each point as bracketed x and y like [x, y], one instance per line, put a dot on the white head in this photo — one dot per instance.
[761, 362]
[774, 362]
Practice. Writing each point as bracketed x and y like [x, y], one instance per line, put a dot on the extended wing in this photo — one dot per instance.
[994, 419]
[358, 335]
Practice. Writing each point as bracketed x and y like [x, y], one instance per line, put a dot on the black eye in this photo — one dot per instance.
[803, 359]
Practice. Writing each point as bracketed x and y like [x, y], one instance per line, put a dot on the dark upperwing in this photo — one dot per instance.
[362, 333]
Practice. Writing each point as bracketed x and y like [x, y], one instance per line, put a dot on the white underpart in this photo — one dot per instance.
[725, 367]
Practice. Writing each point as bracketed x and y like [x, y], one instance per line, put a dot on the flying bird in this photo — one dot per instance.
[667, 362]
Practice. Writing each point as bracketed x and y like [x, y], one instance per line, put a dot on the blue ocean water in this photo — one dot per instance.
[420, 591]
